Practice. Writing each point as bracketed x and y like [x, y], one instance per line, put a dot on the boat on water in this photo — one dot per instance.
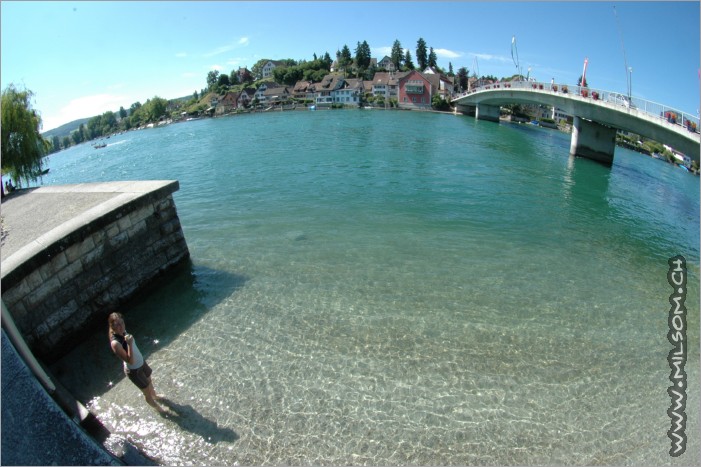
[100, 145]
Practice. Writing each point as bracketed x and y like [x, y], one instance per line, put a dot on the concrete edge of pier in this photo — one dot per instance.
[42, 423]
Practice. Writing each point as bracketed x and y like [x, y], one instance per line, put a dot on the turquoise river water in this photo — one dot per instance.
[372, 287]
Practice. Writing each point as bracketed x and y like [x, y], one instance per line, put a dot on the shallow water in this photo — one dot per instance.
[400, 288]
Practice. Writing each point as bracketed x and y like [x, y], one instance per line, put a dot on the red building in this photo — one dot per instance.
[415, 91]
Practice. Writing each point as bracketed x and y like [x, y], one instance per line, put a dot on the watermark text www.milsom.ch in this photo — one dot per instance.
[676, 276]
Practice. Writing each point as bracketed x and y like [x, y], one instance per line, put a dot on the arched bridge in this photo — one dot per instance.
[597, 115]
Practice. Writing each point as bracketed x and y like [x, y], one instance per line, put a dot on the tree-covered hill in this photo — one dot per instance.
[66, 129]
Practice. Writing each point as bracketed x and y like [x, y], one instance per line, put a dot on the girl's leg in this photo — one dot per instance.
[148, 394]
[152, 391]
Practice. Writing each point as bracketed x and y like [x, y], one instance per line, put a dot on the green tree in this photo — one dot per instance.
[66, 142]
[450, 69]
[462, 78]
[438, 103]
[421, 54]
[83, 132]
[362, 57]
[55, 144]
[78, 137]
[408, 62]
[257, 68]
[234, 78]
[134, 107]
[22, 145]
[212, 78]
[432, 59]
[397, 55]
[288, 75]
[155, 108]
[327, 61]
[122, 113]
[370, 73]
[109, 122]
[223, 80]
[95, 129]
[344, 58]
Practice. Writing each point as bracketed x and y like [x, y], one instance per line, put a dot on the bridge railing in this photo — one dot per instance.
[654, 109]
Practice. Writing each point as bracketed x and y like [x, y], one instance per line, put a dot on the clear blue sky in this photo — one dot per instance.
[84, 58]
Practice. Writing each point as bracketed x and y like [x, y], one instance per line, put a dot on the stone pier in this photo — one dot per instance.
[593, 140]
[72, 254]
[487, 112]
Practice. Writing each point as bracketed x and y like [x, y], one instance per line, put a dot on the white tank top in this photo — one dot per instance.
[138, 358]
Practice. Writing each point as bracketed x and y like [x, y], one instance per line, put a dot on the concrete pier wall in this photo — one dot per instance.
[593, 141]
[62, 283]
[487, 112]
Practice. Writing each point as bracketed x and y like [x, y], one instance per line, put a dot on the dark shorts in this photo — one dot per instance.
[139, 376]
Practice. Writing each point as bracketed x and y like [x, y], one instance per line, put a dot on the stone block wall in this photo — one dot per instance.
[74, 283]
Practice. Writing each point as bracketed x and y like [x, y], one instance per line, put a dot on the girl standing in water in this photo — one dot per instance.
[135, 367]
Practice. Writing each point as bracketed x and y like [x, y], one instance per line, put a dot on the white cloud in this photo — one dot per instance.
[242, 42]
[83, 107]
[181, 54]
[445, 53]
[216, 67]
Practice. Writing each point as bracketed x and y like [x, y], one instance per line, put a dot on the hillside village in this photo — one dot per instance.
[410, 89]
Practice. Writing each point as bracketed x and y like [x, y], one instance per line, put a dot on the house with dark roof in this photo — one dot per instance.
[263, 87]
[301, 89]
[245, 97]
[386, 84]
[387, 64]
[325, 88]
[441, 84]
[277, 95]
[351, 93]
[228, 103]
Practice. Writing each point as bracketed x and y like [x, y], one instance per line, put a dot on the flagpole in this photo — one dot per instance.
[516, 62]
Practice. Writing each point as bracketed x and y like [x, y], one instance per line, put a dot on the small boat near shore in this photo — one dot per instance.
[99, 145]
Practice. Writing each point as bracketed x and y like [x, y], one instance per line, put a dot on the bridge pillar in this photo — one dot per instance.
[487, 112]
[593, 140]
[467, 109]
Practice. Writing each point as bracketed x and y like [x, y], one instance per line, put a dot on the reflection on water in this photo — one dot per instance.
[470, 296]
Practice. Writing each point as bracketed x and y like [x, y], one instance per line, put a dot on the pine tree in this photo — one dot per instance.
[421, 54]
[397, 55]
[408, 63]
[432, 59]
[362, 57]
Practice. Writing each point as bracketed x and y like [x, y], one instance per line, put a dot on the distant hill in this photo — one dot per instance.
[65, 130]
[68, 128]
